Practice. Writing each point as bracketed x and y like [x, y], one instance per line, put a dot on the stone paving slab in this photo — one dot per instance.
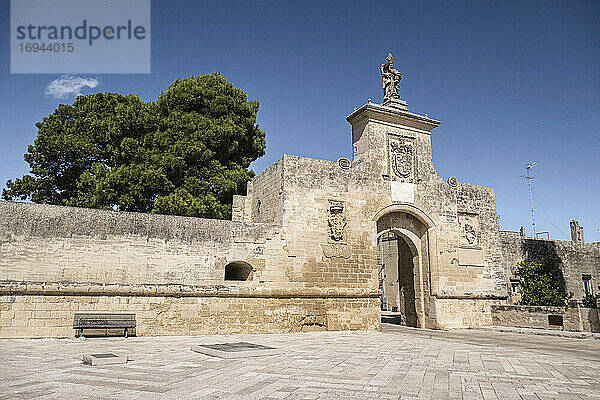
[546, 332]
[398, 363]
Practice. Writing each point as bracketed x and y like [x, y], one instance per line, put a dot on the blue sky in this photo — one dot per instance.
[512, 82]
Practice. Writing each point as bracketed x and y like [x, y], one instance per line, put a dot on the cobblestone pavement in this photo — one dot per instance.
[398, 363]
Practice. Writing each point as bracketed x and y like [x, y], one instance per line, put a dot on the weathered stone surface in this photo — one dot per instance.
[573, 318]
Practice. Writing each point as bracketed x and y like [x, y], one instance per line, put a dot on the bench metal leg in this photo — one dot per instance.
[125, 332]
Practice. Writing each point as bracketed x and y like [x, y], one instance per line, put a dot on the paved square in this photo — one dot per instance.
[396, 363]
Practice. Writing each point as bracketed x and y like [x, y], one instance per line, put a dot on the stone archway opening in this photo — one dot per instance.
[403, 244]
[397, 279]
[238, 271]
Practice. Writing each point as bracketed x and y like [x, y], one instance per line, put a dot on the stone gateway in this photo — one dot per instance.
[300, 253]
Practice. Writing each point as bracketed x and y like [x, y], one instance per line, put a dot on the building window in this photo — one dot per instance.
[515, 286]
[587, 284]
[238, 271]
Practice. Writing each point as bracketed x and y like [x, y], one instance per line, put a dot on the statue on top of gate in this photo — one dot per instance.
[390, 79]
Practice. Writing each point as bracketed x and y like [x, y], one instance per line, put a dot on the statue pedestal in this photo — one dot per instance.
[396, 103]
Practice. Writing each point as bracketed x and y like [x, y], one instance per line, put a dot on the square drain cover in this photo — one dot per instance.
[104, 355]
[235, 350]
[103, 359]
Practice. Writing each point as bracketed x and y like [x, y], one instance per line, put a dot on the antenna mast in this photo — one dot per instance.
[529, 178]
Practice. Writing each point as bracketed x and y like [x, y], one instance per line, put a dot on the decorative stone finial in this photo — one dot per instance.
[576, 232]
[390, 79]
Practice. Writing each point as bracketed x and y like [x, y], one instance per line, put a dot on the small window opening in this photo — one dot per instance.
[587, 284]
[555, 320]
[238, 271]
[515, 286]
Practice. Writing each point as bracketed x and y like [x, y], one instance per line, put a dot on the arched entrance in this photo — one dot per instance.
[396, 277]
[403, 245]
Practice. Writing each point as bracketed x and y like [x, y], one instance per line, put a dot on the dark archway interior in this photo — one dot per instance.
[396, 278]
[406, 283]
[238, 271]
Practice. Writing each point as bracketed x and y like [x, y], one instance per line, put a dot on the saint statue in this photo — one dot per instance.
[390, 79]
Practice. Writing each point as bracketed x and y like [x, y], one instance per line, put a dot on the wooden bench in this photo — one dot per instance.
[104, 321]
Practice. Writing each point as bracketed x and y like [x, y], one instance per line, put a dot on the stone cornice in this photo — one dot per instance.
[471, 296]
[393, 115]
[8, 288]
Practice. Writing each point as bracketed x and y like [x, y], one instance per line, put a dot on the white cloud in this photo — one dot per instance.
[69, 85]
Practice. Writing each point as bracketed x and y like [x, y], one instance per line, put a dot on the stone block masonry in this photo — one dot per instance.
[169, 271]
[538, 317]
[577, 261]
[52, 316]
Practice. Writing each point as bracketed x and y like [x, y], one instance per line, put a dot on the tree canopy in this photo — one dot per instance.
[542, 284]
[187, 153]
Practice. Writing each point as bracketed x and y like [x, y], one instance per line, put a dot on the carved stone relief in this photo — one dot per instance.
[339, 250]
[469, 229]
[336, 221]
[344, 164]
[402, 157]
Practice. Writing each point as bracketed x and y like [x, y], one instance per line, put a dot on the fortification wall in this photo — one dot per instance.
[43, 243]
[168, 270]
[265, 195]
[573, 258]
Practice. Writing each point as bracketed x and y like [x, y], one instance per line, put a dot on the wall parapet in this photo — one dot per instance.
[52, 221]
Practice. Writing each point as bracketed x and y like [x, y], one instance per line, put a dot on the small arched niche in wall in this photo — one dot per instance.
[238, 271]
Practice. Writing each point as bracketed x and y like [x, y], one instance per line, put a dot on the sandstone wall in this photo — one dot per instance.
[265, 196]
[168, 270]
[43, 243]
[314, 257]
[574, 259]
[573, 318]
[52, 315]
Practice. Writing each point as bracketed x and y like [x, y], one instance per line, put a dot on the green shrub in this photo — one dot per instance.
[542, 284]
[590, 301]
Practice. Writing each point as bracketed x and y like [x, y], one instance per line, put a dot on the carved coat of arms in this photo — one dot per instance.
[469, 229]
[402, 158]
[336, 221]
[470, 234]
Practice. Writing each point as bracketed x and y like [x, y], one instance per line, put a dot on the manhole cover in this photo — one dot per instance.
[103, 359]
[235, 350]
[240, 346]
